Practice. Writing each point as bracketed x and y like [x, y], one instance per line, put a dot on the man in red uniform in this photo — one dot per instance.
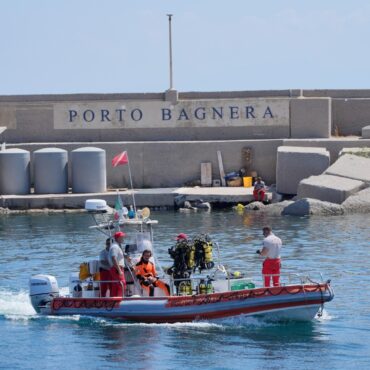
[104, 269]
[147, 275]
[271, 251]
[117, 264]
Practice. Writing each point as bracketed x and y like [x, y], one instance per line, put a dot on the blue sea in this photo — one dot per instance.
[337, 246]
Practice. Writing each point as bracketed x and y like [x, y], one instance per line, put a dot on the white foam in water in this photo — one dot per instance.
[325, 316]
[168, 325]
[15, 305]
[111, 322]
[235, 322]
[243, 321]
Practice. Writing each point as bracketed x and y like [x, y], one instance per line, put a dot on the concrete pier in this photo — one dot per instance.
[153, 198]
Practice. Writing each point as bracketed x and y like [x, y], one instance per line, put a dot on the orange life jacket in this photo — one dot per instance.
[145, 270]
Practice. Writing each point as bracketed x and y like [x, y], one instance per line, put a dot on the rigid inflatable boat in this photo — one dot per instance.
[207, 292]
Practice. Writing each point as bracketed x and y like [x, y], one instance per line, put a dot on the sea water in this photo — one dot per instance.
[56, 244]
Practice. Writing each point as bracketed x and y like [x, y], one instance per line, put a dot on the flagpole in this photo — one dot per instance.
[132, 187]
[122, 159]
[170, 47]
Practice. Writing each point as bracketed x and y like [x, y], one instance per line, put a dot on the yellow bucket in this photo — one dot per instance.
[247, 182]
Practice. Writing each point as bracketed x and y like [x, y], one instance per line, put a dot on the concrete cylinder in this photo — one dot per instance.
[50, 171]
[89, 173]
[14, 172]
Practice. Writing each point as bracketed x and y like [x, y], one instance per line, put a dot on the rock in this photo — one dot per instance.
[254, 206]
[358, 203]
[334, 189]
[308, 207]
[297, 163]
[276, 209]
[352, 167]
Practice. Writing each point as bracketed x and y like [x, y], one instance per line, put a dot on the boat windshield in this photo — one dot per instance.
[137, 242]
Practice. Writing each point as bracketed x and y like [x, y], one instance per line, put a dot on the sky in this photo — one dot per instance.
[122, 46]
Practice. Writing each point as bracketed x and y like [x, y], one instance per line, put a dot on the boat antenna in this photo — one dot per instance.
[132, 187]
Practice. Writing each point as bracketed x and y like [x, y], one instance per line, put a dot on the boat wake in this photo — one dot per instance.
[15, 305]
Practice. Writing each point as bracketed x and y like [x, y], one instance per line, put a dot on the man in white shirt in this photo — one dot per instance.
[117, 264]
[271, 251]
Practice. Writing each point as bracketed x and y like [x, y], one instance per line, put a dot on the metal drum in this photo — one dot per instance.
[14, 172]
[89, 173]
[50, 171]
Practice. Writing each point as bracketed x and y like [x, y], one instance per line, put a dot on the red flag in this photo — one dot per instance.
[120, 159]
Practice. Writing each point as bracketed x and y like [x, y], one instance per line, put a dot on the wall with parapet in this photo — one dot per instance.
[312, 114]
[166, 152]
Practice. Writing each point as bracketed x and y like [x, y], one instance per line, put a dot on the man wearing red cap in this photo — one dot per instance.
[117, 264]
[181, 236]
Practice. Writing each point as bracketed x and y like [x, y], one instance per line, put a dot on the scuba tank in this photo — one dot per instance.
[179, 254]
[202, 288]
[208, 254]
[203, 252]
[189, 289]
[191, 257]
[185, 288]
[209, 287]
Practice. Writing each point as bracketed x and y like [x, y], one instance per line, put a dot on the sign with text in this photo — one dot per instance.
[163, 114]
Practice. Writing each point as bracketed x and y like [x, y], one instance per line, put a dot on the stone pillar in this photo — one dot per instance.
[310, 118]
[172, 96]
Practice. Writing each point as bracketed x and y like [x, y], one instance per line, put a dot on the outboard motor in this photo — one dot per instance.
[43, 288]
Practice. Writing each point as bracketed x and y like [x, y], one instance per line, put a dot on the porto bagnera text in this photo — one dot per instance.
[168, 114]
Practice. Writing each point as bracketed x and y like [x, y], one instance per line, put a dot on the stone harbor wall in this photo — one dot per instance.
[177, 116]
[168, 135]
